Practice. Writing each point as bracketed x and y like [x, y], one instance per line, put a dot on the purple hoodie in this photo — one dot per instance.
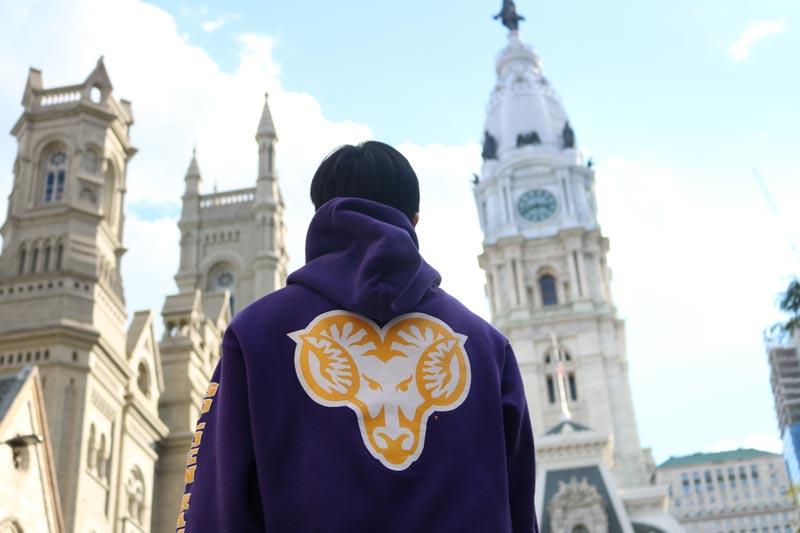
[361, 398]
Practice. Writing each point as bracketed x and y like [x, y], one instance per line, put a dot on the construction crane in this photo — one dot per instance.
[775, 211]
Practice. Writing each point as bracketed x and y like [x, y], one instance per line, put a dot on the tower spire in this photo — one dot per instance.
[266, 137]
[193, 178]
[266, 127]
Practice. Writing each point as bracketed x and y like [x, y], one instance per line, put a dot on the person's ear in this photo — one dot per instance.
[415, 219]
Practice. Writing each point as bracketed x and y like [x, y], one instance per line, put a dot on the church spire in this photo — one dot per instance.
[266, 137]
[193, 178]
[266, 127]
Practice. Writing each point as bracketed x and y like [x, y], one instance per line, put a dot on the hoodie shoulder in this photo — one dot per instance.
[459, 316]
[280, 311]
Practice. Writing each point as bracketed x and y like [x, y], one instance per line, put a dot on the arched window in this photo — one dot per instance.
[547, 287]
[551, 389]
[11, 526]
[59, 256]
[34, 260]
[47, 253]
[23, 257]
[143, 378]
[55, 176]
[580, 528]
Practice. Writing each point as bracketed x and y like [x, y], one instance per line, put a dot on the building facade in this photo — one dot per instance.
[28, 493]
[738, 491]
[784, 365]
[119, 435]
[547, 280]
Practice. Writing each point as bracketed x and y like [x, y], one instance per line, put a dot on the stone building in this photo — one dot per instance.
[738, 491]
[28, 493]
[119, 435]
[547, 280]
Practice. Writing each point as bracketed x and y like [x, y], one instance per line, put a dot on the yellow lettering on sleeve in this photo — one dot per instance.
[192, 459]
[198, 436]
[181, 520]
[212, 389]
[206, 405]
[185, 501]
[190, 473]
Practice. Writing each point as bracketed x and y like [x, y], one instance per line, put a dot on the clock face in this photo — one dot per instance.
[225, 280]
[536, 205]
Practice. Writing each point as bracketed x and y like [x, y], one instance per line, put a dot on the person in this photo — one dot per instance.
[362, 397]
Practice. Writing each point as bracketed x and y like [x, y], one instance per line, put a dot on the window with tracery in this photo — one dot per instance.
[55, 176]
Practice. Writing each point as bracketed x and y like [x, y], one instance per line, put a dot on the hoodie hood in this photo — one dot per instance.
[364, 256]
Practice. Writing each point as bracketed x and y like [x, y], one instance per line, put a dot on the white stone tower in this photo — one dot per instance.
[62, 306]
[235, 240]
[545, 262]
[232, 252]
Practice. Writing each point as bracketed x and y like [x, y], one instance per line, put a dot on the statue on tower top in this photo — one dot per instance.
[508, 14]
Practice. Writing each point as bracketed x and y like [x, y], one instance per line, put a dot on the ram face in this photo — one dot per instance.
[393, 378]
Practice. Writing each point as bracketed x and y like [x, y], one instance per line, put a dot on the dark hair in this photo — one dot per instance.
[372, 170]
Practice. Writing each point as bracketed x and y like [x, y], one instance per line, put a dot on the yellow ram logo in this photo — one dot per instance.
[393, 378]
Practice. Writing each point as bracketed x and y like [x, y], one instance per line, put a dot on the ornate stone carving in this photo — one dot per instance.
[531, 137]
[568, 136]
[489, 146]
[578, 505]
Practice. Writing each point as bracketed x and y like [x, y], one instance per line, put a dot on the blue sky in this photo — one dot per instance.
[676, 114]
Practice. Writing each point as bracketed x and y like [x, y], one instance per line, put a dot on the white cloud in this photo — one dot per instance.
[756, 31]
[217, 23]
[757, 441]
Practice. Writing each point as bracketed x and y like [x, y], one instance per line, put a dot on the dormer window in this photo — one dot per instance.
[55, 176]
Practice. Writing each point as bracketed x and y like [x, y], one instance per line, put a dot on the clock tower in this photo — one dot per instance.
[547, 280]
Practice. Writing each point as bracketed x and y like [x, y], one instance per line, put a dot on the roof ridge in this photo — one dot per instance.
[710, 457]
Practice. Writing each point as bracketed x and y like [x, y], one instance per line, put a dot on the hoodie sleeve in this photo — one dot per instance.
[519, 448]
[221, 482]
